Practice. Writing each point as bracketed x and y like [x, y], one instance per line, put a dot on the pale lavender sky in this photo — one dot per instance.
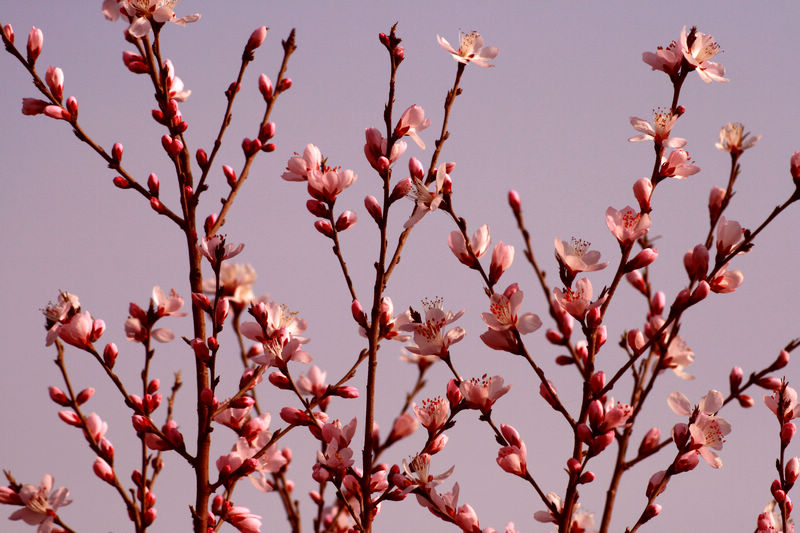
[551, 120]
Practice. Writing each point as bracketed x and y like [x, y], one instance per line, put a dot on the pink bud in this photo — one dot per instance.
[596, 414]
[223, 308]
[34, 47]
[153, 386]
[266, 133]
[284, 84]
[416, 169]
[574, 465]
[265, 86]
[58, 396]
[98, 327]
[70, 418]
[33, 106]
[358, 314]
[794, 163]
[438, 444]
[544, 393]
[209, 223]
[72, 107]
[172, 146]
[401, 190]
[57, 112]
[202, 158]
[637, 281]
[680, 434]
[642, 190]
[317, 208]
[230, 175]
[116, 152]
[84, 395]
[792, 471]
[346, 220]
[345, 391]
[103, 470]
[650, 441]
[781, 361]
[700, 292]
[514, 201]
[207, 397]
[584, 433]
[502, 257]
[769, 383]
[256, 39]
[110, 353]
[696, 262]
[657, 303]
[715, 199]
[55, 81]
[454, 395]
[201, 300]
[745, 400]
[121, 182]
[735, 378]
[636, 341]
[212, 343]
[8, 31]
[201, 350]
[153, 184]
[324, 227]
[654, 487]
[586, 477]
[788, 431]
[601, 336]
[594, 317]
[280, 381]
[597, 382]
[642, 259]
[156, 204]
[373, 208]
[149, 516]
[651, 511]
[686, 462]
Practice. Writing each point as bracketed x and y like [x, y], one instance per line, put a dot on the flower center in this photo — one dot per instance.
[579, 246]
[630, 219]
[467, 43]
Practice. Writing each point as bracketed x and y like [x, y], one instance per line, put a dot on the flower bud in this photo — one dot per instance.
[230, 175]
[72, 107]
[84, 395]
[680, 434]
[401, 189]
[265, 86]
[324, 227]
[586, 477]
[284, 85]
[654, 487]
[266, 133]
[642, 259]
[153, 184]
[373, 208]
[792, 471]
[597, 382]
[514, 201]
[700, 292]
[781, 361]
[735, 378]
[549, 398]
[642, 190]
[794, 167]
[346, 220]
[769, 383]
[58, 396]
[110, 353]
[34, 46]
[715, 199]
[687, 461]
[601, 336]
[745, 400]
[650, 441]
[103, 470]
[256, 39]
[8, 31]
[202, 158]
[651, 511]
[55, 81]
[415, 169]
[358, 314]
[788, 431]
[454, 395]
[636, 280]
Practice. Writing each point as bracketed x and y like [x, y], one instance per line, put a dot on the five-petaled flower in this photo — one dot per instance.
[703, 48]
[142, 13]
[481, 393]
[427, 200]
[429, 335]
[659, 131]
[733, 138]
[708, 430]
[470, 49]
[41, 504]
[574, 258]
[627, 225]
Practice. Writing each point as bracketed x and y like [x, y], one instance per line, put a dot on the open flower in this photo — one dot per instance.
[299, 167]
[427, 200]
[481, 393]
[577, 300]
[667, 59]
[326, 186]
[470, 49]
[41, 504]
[790, 407]
[503, 312]
[479, 244]
[677, 165]
[703, 48]
[429, 335]
[708, 430]
[216, 250]
[142, 12]
[659, 131]
[575, 258]
[627, 225]
[411, 123]
[733, 139]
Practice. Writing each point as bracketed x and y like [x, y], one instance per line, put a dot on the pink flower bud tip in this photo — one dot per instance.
[284, 84]
[514, 201]
[8, 31]
[256, 39]
[265, 86]
[34, 46]
[58, 396]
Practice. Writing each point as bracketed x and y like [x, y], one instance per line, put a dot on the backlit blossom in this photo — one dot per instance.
[242, 519]
[479, 244]
[576, 257]
[678, 357]
[427, 200]
[41, 504]
[164, 305]
[708, 430]
[429, 335]
[659, 131]
[733, 139]
[82, 330]
[481, 393]
[411, 123]
[703, 48]
[470, 49]
[375, 149]
[513, 457]
[299, 168]
[677, 165]
[56, 314]
[236, 284]
[667, 59]
[215, 249]
[628, 224]
[791, 409]
[142, 12]
[417, 472]
[726, 280]
[503, 312]
[729, 233]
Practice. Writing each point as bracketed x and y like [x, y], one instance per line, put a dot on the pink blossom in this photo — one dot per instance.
[242, 519]
[33, 106]
[502, 258]
[417, 473]
[729, 234]
[575, 258]
[479, 245]
[164, 305]
[708, 430]
[342, 434]
[577, 300]
[55, 81]
[312, 382]
[663, 120]
[470, 49]
[627, 225]
[677, 165]
[375, 149]
[733, 139]
[41, 504]
[336, 458]
[216, 250]
[299, 168]
[141, 12]
[503, 312]
[703, 48]
[34, 45]
[467, 519]
[411, 123]
[482, 393]
[81, 331]
[433, 413]
[427, 200]
[678, 357]
[273, 320]
[429, 335]
[236, 283]
[96, 427]
[726, 280]
[667, 59]
[326, 186]
[513, 457]
[791, 409]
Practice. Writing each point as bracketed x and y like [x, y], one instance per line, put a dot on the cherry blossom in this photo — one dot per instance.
[667, 59]
[663, 120]
[707, 430]
[375, 149]
[479, 244]
[390, 325]
[56, 314]
[470, 49]
[733, 139]
[82, 330]
[411, 123]
[216, 250]
[677, 165]
[429, 335]
[273, 319]
[481, 393]
[791, 409]
[299, 168]
[433, 413]
[627, 225]
[41, 504]
[678, 357]
[576, 300]
[427, 200]
[703, 48]
[575, 258]
[164, 305]
[729, 234]
[141, 12]
[242, 519]
[503, 312]
[502, 258]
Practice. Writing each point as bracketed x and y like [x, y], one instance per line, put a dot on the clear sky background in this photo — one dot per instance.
[551, 120]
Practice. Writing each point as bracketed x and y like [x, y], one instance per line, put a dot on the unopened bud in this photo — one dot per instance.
[650, 441]
[280, 381]
[58, 396]
[84, 395]
[401, 190]
[373, 208]
[514, 201]
[788, 431]
[454, 395]
[110, 353]
[256, 39]
[597, 382]
[324, 227]
[651, 511]
[346, 220]
[202, 158]
[781, 361]
[284, 85]
[642, 259]
[230, 175]
[265, 86]
[735, 378]
[745, 400]
[636, 280]
[642, 190]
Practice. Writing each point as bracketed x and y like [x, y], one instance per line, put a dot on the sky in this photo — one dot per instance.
[551, 120]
